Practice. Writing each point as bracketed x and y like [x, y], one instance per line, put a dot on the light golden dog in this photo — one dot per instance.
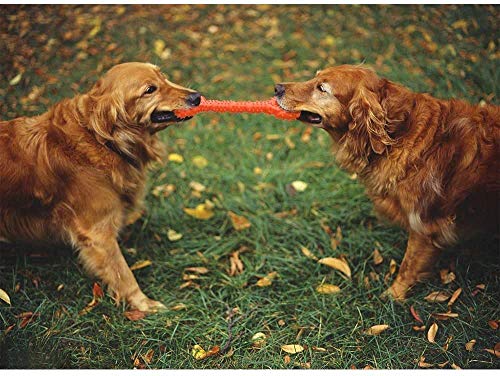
[429, 165]
[74, 173]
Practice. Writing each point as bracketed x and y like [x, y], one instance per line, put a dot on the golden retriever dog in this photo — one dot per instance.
[76, 173]
[429, 165]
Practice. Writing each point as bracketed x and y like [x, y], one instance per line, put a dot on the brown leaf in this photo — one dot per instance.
[419, 328]
[444, 316]
[437, 297]
[493, 324]
[26, 317]
[470, 345]
[423, 364]
[287, 359]
[446, 276]
[326, 288]
[292, 349]
[141, 264]
[377, 257]
[97, 295]
[376, 329]
[197, 269]
[148, 357]
[415, 315]
[431, 334]
[392, 267]
[239, 222]
[235, 264]
[454, 297]
[267, 280]
[135, 315]
[454, 366]
[336, 263]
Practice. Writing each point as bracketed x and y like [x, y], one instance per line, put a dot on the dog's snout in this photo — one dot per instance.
[279, 90]
[193, 99]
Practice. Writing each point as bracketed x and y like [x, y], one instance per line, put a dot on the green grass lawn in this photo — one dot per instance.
[238, 52]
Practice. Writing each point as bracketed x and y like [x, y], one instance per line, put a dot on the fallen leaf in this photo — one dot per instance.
[470, 345]
[257, 171]
[493, 324]
[4, 296]
[292, 349]
[198, 187]
[267, 280]
[305, 365]
[326, 288]
[306, 252]
[174, 157]
[134, 315]
[437, 297]
[431, 334]
[16, 79]
[26, 317]
[415, 315]
[141, 264]
[392, 266]
[97, 295]
[376, 329]
[236, 266]
[239, 222]
[148, 357]
[197, 269]
[200, 212]
[447, 343]
[299, 185]
[454, 297]
[423, 364]
[418, 328]
[444, 316]
[259, 339]
[454, 366]
[336, 263]
[447, 276]
[173, 236]
[442, 365]
[199, 161]
[198, 352]
[287, 359]
[377, 257]
[178, 307]
[164, 190]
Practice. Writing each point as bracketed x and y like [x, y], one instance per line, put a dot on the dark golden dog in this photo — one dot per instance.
[429, 165]
[74, 173]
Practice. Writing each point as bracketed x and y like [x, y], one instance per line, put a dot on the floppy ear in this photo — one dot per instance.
[368, 121]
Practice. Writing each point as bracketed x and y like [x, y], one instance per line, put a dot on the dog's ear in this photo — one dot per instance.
[105, 111]
[368, 123]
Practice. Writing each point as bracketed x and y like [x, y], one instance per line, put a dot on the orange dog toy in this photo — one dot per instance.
[269, 107]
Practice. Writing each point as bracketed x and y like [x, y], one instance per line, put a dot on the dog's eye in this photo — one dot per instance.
[322, 88]
[150, 89]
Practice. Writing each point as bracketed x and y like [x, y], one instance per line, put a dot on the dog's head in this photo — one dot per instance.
[132, 102]
[345, 101]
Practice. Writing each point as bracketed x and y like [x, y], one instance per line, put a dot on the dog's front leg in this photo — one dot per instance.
[101, 256]
[420, 257]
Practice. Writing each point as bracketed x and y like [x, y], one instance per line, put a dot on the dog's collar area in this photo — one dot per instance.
[130, 160]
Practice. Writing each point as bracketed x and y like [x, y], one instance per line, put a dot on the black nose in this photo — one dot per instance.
[193, 99]
[279, 90]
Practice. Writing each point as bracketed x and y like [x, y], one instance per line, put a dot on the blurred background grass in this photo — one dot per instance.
[238, 52]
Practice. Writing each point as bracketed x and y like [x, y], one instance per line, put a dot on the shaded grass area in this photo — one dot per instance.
[238, 52]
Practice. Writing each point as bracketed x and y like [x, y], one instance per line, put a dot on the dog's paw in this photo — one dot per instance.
[396, 293]
[148, 305]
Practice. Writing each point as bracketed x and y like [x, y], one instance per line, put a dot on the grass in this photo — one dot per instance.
[238, 52]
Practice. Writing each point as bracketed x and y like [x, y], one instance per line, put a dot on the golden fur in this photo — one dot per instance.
[74, 173]
[429, 165]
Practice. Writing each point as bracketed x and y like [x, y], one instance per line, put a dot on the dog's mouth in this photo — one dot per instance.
[166, 117]
[310, 117]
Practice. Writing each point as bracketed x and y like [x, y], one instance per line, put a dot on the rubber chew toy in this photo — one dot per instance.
[269, 107]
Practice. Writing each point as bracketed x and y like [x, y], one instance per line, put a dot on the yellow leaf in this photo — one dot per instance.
[239, 222]
[377, 257]
[299, 185]
[267, 280]
[198, 353]
[173, 236]
[4, 296]
[95, 29]
[437, 297]
[197, 269]
[392, 267]
[198, 187]
[164, 190]
[174, 157]
[431, 334]
[141, 264]
[259, 339]
[470, 345]
[257, 171]
[159, 46]
[16, 79]
[308, 253]
[199, 161]
[326, 288]
[200, 212]
[292, 349]
[376, 329]
[336, 263]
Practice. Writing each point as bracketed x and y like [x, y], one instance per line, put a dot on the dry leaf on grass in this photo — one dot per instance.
[177, 158]
[236, 266]
[292, 349]
[415, 315]
[4, 296]
[164, 190]
[454, 366]
[200, 161]
[173, 236]
[376, 329]
[446, 276]
[437, 297]
[299, 185]
[431, 334]
[197, 269]
[495, 351]
[135, 315]
[392, 266]
[259, 339]
[198, 187]
[454, 297]
[202, 211]
[493, 324]
[444, 316]
[267, 280]
[239, 222]
[306, 252]
[199, 353]
[336, 263]
[148, 357]
[419, 328]
[97, 295]
[26, 318]
[141, 264]
[423, 364]
[470, 345]
[377, 257]
[326, 288]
